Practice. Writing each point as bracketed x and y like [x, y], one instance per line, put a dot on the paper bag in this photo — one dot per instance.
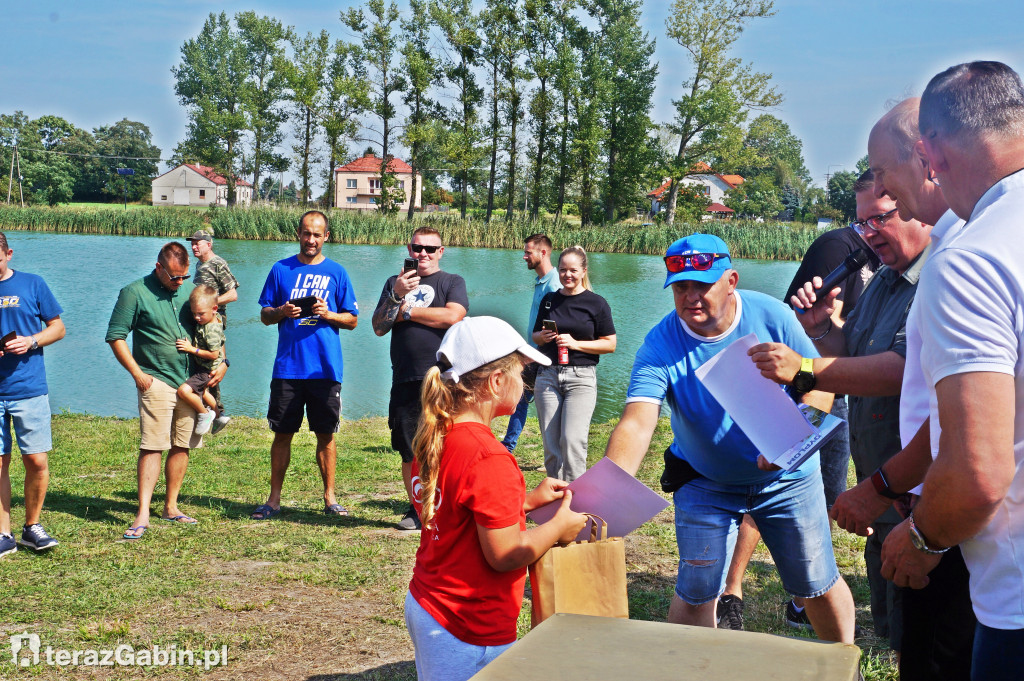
[581, 578]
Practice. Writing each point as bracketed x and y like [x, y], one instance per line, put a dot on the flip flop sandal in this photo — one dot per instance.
[265, 512]
[132, 537]
[183, 519]
[335, 509]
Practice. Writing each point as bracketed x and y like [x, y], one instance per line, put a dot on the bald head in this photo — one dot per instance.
[976, 99]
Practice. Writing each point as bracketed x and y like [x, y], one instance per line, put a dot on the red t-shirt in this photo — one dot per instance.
[479, 482]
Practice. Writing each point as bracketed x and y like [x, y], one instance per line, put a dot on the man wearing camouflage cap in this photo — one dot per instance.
[213, 271]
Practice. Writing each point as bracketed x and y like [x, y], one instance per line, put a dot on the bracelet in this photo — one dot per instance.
[818, 338]
[391, 297]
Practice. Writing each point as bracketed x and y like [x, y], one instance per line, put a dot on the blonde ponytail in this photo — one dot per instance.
[443, 400]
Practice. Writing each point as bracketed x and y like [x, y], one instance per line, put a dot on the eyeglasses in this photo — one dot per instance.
[875, 222]
[416, 248]
[698, 261]
[182, 277]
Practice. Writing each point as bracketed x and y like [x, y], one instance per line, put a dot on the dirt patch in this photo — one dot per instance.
[301, 632]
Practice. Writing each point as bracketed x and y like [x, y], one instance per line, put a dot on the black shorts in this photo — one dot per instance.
[198, 381]
[321, 398]
[403, 417]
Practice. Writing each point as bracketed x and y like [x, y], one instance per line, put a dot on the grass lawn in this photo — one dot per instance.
[303, 596]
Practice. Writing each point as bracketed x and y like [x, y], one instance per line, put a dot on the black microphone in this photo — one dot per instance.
[851, 264]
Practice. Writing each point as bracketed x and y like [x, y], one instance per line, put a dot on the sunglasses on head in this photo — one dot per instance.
[416, 248]
[698, 261]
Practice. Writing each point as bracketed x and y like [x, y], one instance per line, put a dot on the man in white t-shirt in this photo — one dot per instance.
[938, 621]
[971, 321]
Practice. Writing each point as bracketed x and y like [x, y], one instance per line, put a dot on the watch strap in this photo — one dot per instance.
[807, 365]
[881, 485]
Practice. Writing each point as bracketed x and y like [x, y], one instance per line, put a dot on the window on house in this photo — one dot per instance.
[350, 184]
[401, 184]
[352, 199]
[375, 184]
[202, 193]
[706, 190]
[163, 197]
[373, 200]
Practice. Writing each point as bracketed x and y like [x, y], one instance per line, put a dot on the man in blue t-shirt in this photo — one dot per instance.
[712, 467]
[537, 255]
[29, 320]
[310, 298]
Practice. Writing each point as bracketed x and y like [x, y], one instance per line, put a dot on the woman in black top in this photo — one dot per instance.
[566, 391]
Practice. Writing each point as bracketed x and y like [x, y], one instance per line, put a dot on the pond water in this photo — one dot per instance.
[86, 272]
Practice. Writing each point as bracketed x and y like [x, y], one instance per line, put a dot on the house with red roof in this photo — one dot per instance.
[704, 180]
[357, 184]
[194, 185]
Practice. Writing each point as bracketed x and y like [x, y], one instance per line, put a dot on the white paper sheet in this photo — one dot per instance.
[607, 491]
[765, 413]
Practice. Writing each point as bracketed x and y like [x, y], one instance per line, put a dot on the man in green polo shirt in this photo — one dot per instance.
[864, 358]
[155, 311]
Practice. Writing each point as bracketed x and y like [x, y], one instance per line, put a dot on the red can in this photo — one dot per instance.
[563, 355]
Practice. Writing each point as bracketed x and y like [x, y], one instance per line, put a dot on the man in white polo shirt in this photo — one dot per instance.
[971, 313]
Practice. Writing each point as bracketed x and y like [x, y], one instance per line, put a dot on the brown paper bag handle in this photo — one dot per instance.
[595, 534]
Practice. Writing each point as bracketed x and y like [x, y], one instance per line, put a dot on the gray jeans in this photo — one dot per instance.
[565, 397]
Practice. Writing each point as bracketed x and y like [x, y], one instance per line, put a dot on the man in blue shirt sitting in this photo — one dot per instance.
[715, 472]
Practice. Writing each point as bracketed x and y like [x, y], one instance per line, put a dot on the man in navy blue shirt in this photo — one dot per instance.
[29, 319]
[310, 299]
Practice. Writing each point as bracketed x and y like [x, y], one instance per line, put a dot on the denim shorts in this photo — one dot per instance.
[790, 515]
[439, 655]
[31, 420]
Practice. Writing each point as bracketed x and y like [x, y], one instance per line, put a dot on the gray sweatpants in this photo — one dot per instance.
[565, 397]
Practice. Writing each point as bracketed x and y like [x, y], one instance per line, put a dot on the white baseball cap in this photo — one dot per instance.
[476, 341]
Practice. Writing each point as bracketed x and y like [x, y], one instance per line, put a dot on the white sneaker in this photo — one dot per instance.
[219, 423]
[204, 421]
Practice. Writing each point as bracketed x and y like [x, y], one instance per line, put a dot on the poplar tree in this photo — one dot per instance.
[306, 76]
[720, 90]
[460, 27]
[210, 84]
[346, 98]
[626, 54]
[379, 51]
[422, 70]
[264, 39]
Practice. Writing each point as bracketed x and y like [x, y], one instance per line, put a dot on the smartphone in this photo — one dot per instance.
[410, 264]
[305, 304]
[7, 339]
[549, 325]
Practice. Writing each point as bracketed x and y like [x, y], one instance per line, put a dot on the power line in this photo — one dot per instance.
[68, 153]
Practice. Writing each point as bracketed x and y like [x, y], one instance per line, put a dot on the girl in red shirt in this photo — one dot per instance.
[467, 586]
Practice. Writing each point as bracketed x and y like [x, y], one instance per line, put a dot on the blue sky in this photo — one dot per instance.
[837, 62]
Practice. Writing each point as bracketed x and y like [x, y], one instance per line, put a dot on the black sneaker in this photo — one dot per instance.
[410, 522]
[35, 538]
[7, 544]
[730, 613]
[795, 619]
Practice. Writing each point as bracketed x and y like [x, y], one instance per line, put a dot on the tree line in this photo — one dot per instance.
[534, 106]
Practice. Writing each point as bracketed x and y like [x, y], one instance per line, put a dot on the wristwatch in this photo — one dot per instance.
[881, 485]
[804, 381]
[35, 343]
[407, 313]
[918, 540]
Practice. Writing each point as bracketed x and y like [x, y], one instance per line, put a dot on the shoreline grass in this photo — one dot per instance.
[746, 239]
[304, 595]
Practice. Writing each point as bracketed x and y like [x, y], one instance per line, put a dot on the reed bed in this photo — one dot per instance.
[746, 239]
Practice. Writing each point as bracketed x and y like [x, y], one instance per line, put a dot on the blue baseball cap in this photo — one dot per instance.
[699, 243]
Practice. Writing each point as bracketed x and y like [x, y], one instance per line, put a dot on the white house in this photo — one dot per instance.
[357, 184]
[196, 185]
[711, 184]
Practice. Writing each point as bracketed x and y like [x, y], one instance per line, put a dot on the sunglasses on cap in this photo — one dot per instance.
[875, 222]
[416, 248]
[698, 261]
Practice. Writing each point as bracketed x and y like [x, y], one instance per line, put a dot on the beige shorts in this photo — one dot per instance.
[165, 420]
